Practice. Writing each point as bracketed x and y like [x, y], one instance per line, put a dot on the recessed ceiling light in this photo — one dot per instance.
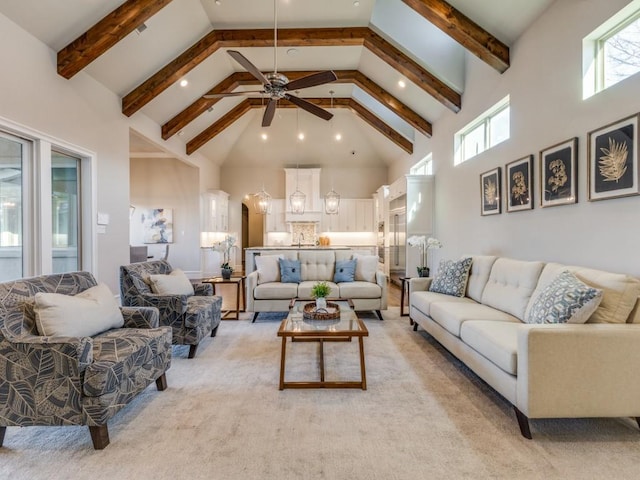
[301, 136]
[184, 83]
[338, 136]
[264, 136]
[292, 52]
[401, 83]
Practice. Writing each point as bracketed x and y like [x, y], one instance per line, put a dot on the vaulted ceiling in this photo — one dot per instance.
[371, 46]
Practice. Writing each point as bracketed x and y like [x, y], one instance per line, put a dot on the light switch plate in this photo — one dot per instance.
[103, 218]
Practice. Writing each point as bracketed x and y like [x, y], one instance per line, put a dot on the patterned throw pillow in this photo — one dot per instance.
[565, 300]
[290, 271]
[345, 271]
[452, 277]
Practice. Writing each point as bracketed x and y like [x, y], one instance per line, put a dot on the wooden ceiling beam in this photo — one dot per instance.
[464, 31]
[105, 34]
[237, 79]
[307, 37]
[350, 103]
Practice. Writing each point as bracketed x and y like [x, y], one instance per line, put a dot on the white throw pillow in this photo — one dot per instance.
[565, 300]
[268, 267]
[176, 283]
[83, 315]
[366, 267]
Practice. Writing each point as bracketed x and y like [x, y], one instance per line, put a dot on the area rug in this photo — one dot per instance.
[424, 415]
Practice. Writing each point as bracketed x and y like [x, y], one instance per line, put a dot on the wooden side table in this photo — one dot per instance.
[239, 282]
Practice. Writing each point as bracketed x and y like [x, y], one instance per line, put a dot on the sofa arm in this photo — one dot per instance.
[579, 370]
[383, 281]
[250, 284]
[140, 317]
[203, 289]
[419, 284]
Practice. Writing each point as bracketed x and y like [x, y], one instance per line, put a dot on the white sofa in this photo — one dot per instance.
[544, 370]
[317, 265]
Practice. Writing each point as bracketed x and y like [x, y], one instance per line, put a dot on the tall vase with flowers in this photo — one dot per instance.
[425, 244]
[225, 247]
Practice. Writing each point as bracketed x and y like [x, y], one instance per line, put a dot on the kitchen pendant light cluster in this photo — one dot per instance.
[331, 198]
[262, 202]
[297, 199]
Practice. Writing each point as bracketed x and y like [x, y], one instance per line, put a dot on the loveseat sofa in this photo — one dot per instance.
[563, 370]
[267, 293]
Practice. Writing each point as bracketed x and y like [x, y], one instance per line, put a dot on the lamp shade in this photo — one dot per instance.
[331, 203]
[262, 202]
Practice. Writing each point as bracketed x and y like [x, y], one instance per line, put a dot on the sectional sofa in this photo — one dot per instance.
[267, 293]
[545, 370]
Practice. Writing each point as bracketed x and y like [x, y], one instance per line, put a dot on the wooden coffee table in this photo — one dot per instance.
[342, 329]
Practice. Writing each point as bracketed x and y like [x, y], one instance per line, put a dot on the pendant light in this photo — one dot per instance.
[262, 202]
[297, 199]
[331, 198]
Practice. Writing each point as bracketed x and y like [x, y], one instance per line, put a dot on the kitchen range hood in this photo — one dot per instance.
[306, 180]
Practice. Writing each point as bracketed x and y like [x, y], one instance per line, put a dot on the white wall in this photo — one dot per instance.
[82, 112]
[544, 82]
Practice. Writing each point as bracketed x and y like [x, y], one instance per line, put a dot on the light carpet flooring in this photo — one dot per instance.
[424, 415]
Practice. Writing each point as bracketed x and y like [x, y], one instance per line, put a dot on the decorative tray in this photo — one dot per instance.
[330, 313]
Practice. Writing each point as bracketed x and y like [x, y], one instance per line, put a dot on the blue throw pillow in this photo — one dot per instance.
[345, 271]
[290, 271]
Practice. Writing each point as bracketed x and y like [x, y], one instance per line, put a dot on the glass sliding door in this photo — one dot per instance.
[65, 211]
[14, 154]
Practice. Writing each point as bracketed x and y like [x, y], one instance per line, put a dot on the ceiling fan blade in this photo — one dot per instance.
[232, 94]
[248, 66]
[309, 107]
[312, 80]
[269, 112]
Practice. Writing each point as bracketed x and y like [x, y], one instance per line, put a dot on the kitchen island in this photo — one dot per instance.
[251, 252]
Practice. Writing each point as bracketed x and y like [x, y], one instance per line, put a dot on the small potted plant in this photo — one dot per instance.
[225, 247]
[425, 244]
[320, 291]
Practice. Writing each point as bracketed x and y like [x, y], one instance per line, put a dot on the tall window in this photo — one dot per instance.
[486, 131]
[43, 184]
[611, 53]
[65, 212]
[423, 167]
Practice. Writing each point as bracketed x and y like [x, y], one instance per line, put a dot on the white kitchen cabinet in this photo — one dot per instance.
[307, 180]
[215, 211]
[275, 220]
[363, 221]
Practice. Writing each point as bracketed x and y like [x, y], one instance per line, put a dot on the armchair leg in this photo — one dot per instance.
[523, 422]
[379, 313]
[99, 436]
[415, 326]
[192, 351]
[255, 316]
[161, 382]
[3, 430]
[214, 331]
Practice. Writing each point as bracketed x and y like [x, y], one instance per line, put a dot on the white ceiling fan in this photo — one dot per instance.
[276, 85]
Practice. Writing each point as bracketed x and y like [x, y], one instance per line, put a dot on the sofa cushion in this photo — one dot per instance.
[275, 291]
[565, 300]
[317, 265]
[423, 300]
[452, 277]
[88, 313]
[366, 267]
[478, 275]
[268, 268]
[290, 271]
[175, 283]
[345, 271]
[511, 284]
[619, 292]
[451, 315]
[360, 290]
[304, 289]
[496, 341]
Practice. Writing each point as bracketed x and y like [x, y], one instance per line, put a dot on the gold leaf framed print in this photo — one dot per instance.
[559, 174]
[490, 188]
[613, 160]
[519, 192]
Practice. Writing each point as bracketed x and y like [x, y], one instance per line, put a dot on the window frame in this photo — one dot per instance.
[484, 120]
[426, 163]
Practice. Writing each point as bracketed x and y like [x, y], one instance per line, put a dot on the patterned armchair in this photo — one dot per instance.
[74, 380]
[191, 318]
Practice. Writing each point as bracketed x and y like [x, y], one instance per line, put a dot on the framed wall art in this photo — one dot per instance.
[613, 160]
[519, 192]
[490, 188]
[559, 174]
[157, 225]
